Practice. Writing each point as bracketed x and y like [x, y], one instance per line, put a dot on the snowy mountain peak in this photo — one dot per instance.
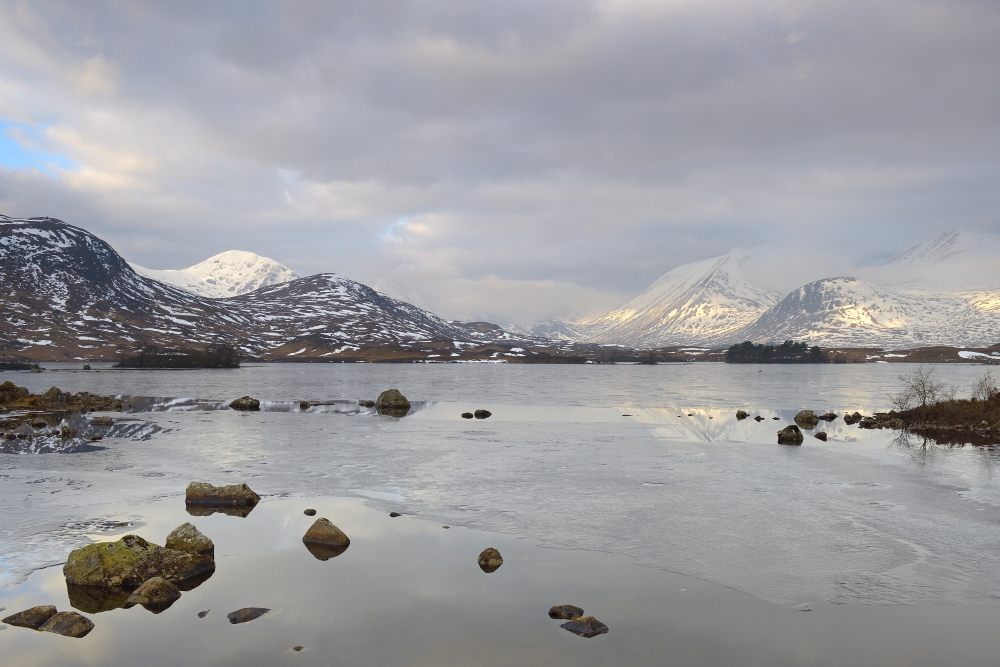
[693, 304]
[227, 274]
[947, 246]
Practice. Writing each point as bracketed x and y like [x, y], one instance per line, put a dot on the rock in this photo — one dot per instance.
[130, 561]
[246, 614]
[304, 405]
[67, 433]
[394, 514]
[868, 422]
[585, 626]
[482, 414]
[821, 436]
[828, 417]
[852, 418]
[565, 612]
[95, 437]
[234, 495]
[742, 414]
[95, 599]
[68, 624]
[203, 614]
[38, 423]
[297, 648]
[102, 421]
[391, 402]
[310, 512]
[245, 403]
[758, 419]
[209, 510]
[155, 594]
[325, 541]
[775, 418]
[36, 369]
[86, 367]
[790, 435]
[807, 419]
[190, 540]
[54, 395]
[367, 404]
[31, 618]
[467, 415]
[490, 560]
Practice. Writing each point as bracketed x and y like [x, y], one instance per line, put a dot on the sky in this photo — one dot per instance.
[531, 159]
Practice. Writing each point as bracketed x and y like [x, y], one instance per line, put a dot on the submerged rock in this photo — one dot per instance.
[565, 612]
[467, 415]
[482, 414]
[585, 626]
[245, 403]
[31, 618]
[96, 599]
[190, 540]
[130, 561]
[234, 495]
[391, 402]
[821, 436]
[742, 414]
[246, 614]
[490, 560]
[68, 624]
[807, 419]
[325, 541]
[155, 594]
[790, 435]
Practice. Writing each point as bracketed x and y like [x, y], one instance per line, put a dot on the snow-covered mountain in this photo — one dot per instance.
[392, 288]
[227, 274]
[701, 303]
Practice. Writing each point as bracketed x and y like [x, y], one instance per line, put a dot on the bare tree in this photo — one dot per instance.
[985, 388]
[921, 388]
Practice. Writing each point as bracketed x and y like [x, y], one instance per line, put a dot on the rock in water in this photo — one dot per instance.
[203, 614]
[309, 512]
[585, 626]
[235, 495]
[391, 402]
[31, 618]
[742, 414]
[565, 612]
[467, 415]
[482, 414]
[393, 515]
[852, 418]
[828, 417]
[245, 403]
[67, 433]
[490, 560]
[155, 594]
[821, 436]
[790, 435]
[190, 540]
[758, 419]
[367, 404]
[130, 561]
[102, 421]
[807, 419]
[325, 541]
[246, 614]
[54, 395]
[304, 405]
[68, 624]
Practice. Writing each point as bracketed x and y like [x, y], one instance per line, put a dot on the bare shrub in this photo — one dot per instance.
[985, 388]
[921, 388]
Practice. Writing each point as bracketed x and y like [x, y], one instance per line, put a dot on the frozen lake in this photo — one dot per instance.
[648, 464]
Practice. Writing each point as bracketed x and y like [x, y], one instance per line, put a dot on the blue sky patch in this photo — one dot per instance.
[17, 155]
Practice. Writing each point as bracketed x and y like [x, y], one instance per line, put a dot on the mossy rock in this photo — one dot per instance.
[130, 561]
[391, 402]
[807, 419]
[490, 560]
[790, 435]
[190, 540]
[233, 495]
[245, 403]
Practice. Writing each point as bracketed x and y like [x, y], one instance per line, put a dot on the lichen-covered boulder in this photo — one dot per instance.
[585, 626]
[31, 618]
[155, 594]
[392, 399]
[742, 414]
[490, 560]
[790, 435]
[190, 540]
[565, 612]
[54, 395]
[245, 403]
[324, 540]
[68, 624]
[130, 561]
[234, 495]
[807, 419]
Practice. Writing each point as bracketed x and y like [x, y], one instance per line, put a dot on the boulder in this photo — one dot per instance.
[758, 419]
[190, 540]
[828, 417]
[391, 402]
[309, 512]
[821, 436]
[68, 624]
[304, 405]
[565, 612]
[130, 561]
[67, 433]
[807, 419]
[393, 515]
[246, 614]
[325, 541]
[54, 395]
[245, 403]
[155, 594]
[742, 414]
[852, 418]
[790, 435]
[467, 415]
[868, 422]
[490, 560]
[585, 626]
[482, 414]
[31, 618]
[38, 423]
[234, 495]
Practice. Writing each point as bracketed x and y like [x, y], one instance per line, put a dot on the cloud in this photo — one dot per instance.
[487, 152]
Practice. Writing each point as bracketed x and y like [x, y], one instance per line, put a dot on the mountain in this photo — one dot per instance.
[229, 273]
[701, 303]
[391, 288]
[68, 295]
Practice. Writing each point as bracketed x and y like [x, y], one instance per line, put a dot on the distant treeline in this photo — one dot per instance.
[151, 356]
[788, 352]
